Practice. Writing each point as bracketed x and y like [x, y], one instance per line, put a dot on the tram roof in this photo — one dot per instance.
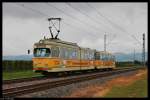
[49, 40]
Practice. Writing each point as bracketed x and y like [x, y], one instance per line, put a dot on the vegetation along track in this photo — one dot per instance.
[18, 80]
[17, 91]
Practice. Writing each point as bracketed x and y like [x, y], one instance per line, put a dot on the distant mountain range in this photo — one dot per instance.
[119, 57]
[129, 56]
[18, 57]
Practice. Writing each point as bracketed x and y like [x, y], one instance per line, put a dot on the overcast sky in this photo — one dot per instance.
[83, 23]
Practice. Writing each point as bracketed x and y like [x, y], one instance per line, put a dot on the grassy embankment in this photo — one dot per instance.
[17, 69]
[19, 74]
[138, 89]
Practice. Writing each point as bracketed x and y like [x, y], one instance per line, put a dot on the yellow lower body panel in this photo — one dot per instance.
[64, 69]
[57, 64]
[46, 62]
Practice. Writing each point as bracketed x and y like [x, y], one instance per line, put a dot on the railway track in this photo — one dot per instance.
[19, 80]
[17, 91]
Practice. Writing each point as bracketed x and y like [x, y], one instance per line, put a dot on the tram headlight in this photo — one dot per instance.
[64, 61]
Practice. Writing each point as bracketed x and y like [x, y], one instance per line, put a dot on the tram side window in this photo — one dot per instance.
[85, 55]
[78, 54]
[91, 55]
[55, 51]
[72, 54]
[94, 55]
[62, 53]
[100, 56]
[69, 53]
[88, 55]
[82, 54]
[104, 57]
[109, 58]
[66, 53]
[97, 56]
[113, 58]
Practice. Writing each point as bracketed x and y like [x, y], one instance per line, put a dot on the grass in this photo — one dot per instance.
[138, 89]
[19, 74]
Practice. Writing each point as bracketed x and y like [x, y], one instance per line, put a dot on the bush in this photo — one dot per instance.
[11, 66]
[137, 62]
[127, 64]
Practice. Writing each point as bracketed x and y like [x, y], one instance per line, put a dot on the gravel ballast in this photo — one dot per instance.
[63, 91]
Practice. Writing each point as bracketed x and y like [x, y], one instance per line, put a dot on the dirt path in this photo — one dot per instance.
[101, 90]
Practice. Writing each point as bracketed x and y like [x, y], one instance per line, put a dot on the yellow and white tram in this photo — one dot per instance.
[54, 55]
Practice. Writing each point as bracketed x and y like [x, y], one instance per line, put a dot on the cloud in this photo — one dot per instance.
[22, 27]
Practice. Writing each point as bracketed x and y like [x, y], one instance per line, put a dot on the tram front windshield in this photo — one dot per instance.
[41, 52]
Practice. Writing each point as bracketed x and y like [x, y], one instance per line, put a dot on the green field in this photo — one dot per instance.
[19, 74]
[138, 89]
